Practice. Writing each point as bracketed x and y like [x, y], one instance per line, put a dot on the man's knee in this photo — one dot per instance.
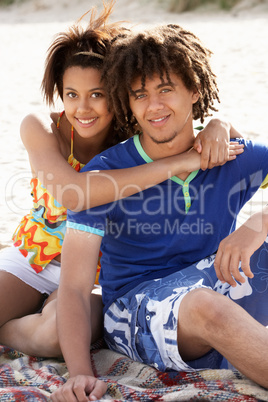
[205, 308]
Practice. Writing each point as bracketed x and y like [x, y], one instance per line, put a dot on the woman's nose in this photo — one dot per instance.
[84, 104]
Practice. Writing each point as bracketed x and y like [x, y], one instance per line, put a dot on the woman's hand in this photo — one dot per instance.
[214, 146]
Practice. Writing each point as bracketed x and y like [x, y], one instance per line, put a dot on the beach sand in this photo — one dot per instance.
[238, 39]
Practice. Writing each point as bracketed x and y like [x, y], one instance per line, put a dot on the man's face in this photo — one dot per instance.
[163, 110]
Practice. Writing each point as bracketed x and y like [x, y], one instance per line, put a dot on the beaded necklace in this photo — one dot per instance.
[71, 160]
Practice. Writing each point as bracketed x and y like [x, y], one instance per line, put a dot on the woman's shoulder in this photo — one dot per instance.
[37, 123]
[40, 131]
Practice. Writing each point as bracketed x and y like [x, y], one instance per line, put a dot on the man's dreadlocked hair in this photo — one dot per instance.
[82, 47]
[161, 50]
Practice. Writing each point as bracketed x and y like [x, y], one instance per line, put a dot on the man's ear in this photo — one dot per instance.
[196, 95]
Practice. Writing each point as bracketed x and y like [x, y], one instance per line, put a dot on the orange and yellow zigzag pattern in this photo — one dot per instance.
[40, 234]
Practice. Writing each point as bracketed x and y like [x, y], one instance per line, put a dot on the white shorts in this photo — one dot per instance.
[46, 281]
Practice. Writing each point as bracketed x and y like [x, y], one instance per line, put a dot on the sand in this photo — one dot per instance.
[238, 39]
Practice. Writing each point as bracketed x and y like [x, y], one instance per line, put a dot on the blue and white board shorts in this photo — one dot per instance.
[142, 324]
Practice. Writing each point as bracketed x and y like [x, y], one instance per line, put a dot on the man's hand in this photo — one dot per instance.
[214, 146]
[239, 247]
[81, 388]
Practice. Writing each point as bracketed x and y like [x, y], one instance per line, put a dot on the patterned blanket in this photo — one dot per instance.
[25, 378]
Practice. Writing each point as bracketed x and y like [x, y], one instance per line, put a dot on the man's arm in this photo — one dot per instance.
[79, 261]
[239, 246]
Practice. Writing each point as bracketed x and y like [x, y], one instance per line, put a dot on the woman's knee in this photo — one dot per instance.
[46, 334]
[17, 299]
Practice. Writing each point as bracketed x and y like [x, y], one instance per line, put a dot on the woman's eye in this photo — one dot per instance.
[97, 95]
[71, 95]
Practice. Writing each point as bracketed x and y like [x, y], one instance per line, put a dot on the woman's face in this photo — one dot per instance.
[85, 103]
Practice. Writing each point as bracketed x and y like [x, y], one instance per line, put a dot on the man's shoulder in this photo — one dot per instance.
[253, 150]
[116, 157]
[252, 144]
[253, 161]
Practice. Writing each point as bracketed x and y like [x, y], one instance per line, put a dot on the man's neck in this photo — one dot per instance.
[175, 147]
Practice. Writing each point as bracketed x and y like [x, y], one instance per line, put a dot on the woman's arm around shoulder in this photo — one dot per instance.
[213, 143]
[48, 155]
[78, 191]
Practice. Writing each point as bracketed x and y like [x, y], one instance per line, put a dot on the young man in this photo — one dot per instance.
[163, 302]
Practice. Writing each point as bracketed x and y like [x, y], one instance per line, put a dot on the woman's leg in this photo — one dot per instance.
[22, 290]
[36, 334]
[17, 299]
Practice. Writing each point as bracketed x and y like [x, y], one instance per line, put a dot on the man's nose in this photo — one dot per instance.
[155, 103]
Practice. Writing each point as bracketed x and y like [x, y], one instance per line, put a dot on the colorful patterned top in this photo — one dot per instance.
[40, 234]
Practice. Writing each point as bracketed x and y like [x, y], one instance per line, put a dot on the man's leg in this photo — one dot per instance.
[209, 320]
[36, 334]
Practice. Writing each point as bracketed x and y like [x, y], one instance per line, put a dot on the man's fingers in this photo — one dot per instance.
[222, 265]
[99, 390]
[217, 264]
[76, 390]
[227, 263]
[234, 268]
[64, 394]
[245, 264]
[79, 389]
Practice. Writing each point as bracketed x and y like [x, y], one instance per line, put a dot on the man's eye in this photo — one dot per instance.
[140, 96]
[164, 90]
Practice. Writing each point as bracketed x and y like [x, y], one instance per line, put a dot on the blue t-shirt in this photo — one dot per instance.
[171, 225]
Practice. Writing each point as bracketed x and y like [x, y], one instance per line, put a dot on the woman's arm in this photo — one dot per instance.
[239, 247]
[213, 143]
[87, 190]
[79, 260]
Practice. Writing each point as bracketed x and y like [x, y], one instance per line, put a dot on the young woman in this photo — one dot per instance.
[30, 269]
